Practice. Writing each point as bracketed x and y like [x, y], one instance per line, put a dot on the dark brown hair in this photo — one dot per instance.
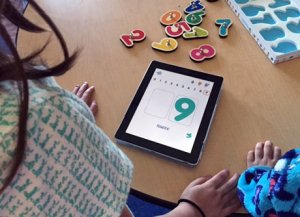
[15, 68]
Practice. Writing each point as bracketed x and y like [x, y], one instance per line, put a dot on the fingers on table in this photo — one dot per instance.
[84, 92]
[259, 150]
[87, 95]
[232, 206]
[268, 150]
[229, 185]
[277, 153]
[219, 179]
[227, 190]
[82, 89]
[94, 107]
[250, 157]
[230, 199]
[199, 181]
[76, 88]
[264, 150]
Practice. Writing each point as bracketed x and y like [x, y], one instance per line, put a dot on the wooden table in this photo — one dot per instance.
[259, 100]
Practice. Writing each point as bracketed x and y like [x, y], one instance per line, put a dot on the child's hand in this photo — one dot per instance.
[264, 154]
[85, 93]
[216, 195]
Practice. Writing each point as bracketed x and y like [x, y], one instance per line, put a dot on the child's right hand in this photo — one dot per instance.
[216, 195]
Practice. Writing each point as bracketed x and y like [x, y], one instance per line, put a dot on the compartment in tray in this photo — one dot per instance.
[279, 3]
[241, 1]
[294, 27]
[252, 10]
[283, 15]
[272, 34]
[267, 19]
[285, 47]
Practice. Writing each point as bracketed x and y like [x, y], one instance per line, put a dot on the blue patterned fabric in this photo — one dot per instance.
[273, 192]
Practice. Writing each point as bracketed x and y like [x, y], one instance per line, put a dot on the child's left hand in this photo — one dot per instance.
[85, 93]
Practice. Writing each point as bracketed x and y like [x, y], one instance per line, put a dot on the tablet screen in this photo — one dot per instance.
[171, 110]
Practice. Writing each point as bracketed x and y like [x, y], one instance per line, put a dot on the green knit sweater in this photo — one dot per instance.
[71, 168]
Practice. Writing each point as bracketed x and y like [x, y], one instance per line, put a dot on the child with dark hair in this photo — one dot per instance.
[55, 160]
[270, 187]
[11, 28]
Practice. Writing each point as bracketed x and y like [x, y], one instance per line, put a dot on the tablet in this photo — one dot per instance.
[171, 112]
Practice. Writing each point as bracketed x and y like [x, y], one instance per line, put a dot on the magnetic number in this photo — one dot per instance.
[177, 29]
[205, 51]
[170, 17]
[195, 18]
[165, 45]
[224, 26]
[194, 6]
[136, 35]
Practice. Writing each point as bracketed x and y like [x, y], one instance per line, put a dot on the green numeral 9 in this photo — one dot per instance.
[185, 106]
